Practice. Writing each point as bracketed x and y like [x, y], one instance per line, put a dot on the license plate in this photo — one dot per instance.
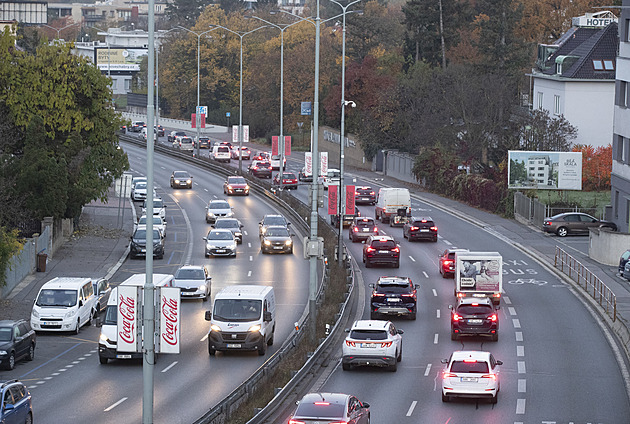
[368, 345]
[220, 250]
[424, 231]
[123, 356]
[365, 199]
[394, 300]
[366, 230]
[188, 293]
[277, 247]
[475, 321]
[49, 323]
[383, 251]
[234, 345]
[469, 379]
[478, 295]
[143, 250]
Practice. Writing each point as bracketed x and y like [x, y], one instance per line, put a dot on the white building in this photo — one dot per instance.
[538, 169]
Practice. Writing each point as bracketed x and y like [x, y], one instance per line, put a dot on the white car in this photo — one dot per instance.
[471, 373]
[220, 242]
[193, 281]
[159, 208]
[158, 223]
[333, 176]
[372, 343]
[275, 162]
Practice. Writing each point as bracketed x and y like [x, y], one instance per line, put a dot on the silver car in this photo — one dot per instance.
[218, 209]
[220, 243]
[231, 224]
[158, 223]
[193, 281]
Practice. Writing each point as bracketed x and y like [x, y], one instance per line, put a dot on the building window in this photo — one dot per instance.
[540, 100]
[616, 204]
[609, 65]
[625, 157]
[598, 65]
[627, 31]
[556, 104]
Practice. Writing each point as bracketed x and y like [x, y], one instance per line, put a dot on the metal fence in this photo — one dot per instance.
[535, 212]
[588, 281]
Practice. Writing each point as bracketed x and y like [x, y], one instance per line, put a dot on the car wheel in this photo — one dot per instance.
[397, 264]
[31, 352]
[368, 264]
[399, 357]
[394, 367]
[205, 298]
[495, 337]
[404, 235]
[412, 316]
[453, 335]
[78, 328]
[262, 349]
[211, 350]
[445, 398]
[435, 239]
[346, 367]
[102, 360]
[92, 318]
[562, 231]
[29, 418]
[270, 341]
[495, 398]
[11, 361]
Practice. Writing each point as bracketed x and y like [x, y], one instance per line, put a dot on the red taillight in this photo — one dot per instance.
[433, 228]
[470, 361]
[378, 295]
[375, 230]
[456, 317]
[386, 344]
[448, 375]
[356, 229]
[493, 318]
[296, 422]
[396, 249]
[447, 262]
[409, 294]
[350, 343]
[372, 193]
[370, 249]
[414, 228]
[492, 377]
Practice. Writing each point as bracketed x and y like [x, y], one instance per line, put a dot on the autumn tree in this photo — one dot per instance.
[540, 131]
[596, 166]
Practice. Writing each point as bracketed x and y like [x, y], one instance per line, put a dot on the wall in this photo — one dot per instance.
[328, 141]
[25, 261]
[586, 100]
[400, 165]
[606, 246]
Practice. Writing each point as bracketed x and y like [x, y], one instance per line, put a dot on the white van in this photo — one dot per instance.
[242, 318]
[64, 304]
[332, 177]
[108, 340]
[390, 203]
[221, 153]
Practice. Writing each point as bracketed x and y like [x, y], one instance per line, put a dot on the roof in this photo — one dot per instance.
[371, 324]
[478, 355]
[246, 291]
[66, 282]
[339, 398]
[471, 300]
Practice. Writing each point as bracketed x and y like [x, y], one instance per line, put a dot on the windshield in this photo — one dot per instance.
[334, 174]
[142, 235]
[368, 334]
[236, 180]
[474, 309]
[141, 185]
[320, 410]
[239, 310]
[393, 288]
[190, 274]
[277, 232]
[220, 235]
[469, 367]
[275, 220]
[180, 174]
[5, 334]
[226, 223]
[156, 221]
[111, 315]
[219, 205]
[57, 297]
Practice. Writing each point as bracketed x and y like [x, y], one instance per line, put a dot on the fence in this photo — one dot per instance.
[24, 262]
[535, 212]
[588, 281]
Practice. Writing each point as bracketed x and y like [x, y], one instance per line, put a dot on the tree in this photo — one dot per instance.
[542, 132]
[596, 167]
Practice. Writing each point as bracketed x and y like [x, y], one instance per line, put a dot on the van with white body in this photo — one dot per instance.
[108, 341]
[332, 177]
[479, 274]
[64, 304]
[393, 205]
[242, 318]
[221, 153]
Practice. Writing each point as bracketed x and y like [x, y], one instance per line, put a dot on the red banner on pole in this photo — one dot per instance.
[350, 200]
[193, 120]
[274, 145]
[332, 199]
[203, 120]
[287, 145]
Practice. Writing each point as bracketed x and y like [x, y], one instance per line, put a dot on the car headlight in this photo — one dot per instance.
[247, 187]
[70, 314]
[104, 338]
[35, 313]
[288, 242]
[176, 181]
[156, 244]
[254, 328]
[267, 243]
[3, 352]
[239, 234]
[215, 327]
[210, 213]
[202, 287]
[188, 181]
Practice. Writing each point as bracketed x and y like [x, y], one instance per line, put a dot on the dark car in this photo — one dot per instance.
[420, 229]
[393, 296]
[231, 224]
[325, 408]
[623, 260]
[447, 262]
[381, 250]
[347, 219]
[574, 223]
[160, 131]
[364, 196]
[174, 134]
[474, 316]
[235, 185]
[15, 403]
[181, 179]
[362, 228]
[102, 290]
[17, 341]
[260, 169]
[271, 220]
[136, 126]
[204, 143]
[289, 180]
[139, 244]
[276, 239]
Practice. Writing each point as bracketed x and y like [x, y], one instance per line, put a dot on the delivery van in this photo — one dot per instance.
[393, 205]
[221, 153]
[64, 304]
[108, 341]
[242, 318]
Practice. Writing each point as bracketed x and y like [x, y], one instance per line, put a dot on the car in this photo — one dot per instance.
[271, 220]
[17, 341]
[174, 134]
[381, 250]
[218, 209]
[626, 271]
[447, 262]
[364, 195]
[144, 131]
[289, 180]
[245, 153]
[361, 228]
[305, 176]
[623, 260]
[159, 208]
[260, 169]
[160, 130]
[330, 408]
[420, 229]
[204, 143]
[181, 179]
[231, 224]
[15, 403]
[136, 126]
[220, 242]
[568, 223]
[372, 343]
[183, 143]
[474, 316]
[472, 374]
[102, 290]
[332, 177]
[158, 223]
[394, 296]
[275, 162]
[276, 239]
[139, 244]
[221, 153]
[263, 156]
[234, 185]
[139, 191]
[347, 219]
[193, 281]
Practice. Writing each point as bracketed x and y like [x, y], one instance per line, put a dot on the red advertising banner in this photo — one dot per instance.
[170, 307]
[287, 145]
[203, 120]
[350, 199]
[332, 199]
[274, 145]
[193, 120]
[128, 319]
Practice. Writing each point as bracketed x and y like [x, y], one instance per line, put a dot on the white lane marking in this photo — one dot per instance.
[507, 300]
[435, 338]
[251, 258]
[88, 354]
[115, 405]
[249, 273]
[55, 373]
[40, 382]
[519, 336]
[434, 292]
[203, 339]
[75, 362]
[512, 311]
[516, 322]
[447, 242]
[205, 189]
[245, 232]
[249, 244]
[522, 385]
[425, 274]
[81, 359]
[520, 350]
[170, 366]
[520, 365]
[428, 370]
[47, 378]
[437, 313]
[69, 366]
[520, 406]
[412, 259]
[411, 408]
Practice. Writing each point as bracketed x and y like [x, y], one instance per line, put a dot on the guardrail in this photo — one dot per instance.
[591, 284]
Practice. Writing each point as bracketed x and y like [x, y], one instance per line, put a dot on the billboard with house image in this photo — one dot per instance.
[544, 170]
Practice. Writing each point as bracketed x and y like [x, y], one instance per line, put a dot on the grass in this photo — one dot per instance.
[571, 198]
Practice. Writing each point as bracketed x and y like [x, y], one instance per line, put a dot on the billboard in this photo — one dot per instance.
[128, 319]
[544, 170]
[170, 319]
[480, 274]
[119, 59]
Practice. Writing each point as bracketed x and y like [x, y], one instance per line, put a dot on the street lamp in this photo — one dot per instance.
[197, 114]
[60, 29]
[240, 95]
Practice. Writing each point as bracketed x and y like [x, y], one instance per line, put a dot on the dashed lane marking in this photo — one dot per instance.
[412, 259]
[519, 336]
[437, 313]
[109, 408]
[522, 385]
[249, 273]
[170, 366]
[512, 311]
[507, 300]
[425, 274]
[520, 350]
[434, 292]
[203, 339]
[520, 366]
[435, 338]
[411, 408]
[520, 406]
[516, 323]
[428, 370]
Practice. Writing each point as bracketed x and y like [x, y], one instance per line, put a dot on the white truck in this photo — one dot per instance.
[479, 274]
[393, 205]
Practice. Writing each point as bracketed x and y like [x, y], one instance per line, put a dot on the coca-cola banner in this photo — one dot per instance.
[350, 199]
[128, 326]
[287, 145]
[332, 199]
[170, 311]
[274, 145]
[308, 163]
[323, 159]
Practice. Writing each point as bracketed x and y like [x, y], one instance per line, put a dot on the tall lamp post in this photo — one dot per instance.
[60, 29]
[197, 114]
[240, 94]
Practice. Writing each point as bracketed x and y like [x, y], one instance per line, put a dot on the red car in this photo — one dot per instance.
[447, 262]
[289, 180]
[235, 185]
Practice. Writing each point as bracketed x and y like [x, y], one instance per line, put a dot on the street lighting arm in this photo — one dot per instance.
[60, 29]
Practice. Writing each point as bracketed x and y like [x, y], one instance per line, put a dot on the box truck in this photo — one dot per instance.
[479, 274]
[393, 205]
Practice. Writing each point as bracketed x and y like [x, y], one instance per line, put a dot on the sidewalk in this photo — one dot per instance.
[96, 249]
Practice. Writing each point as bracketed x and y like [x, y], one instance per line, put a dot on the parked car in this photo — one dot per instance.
[193, 281]
[260, 169]
[139, 191]
[181, 179]
[276, 239]
[567, 223]
[447, 262]
[381, 250]
[159, 208]
[15, 403]
[325, 408]
[372, 343]
[289, 180]
[623, 260]
[17, 341]
[139, 244]
[234, 185]
[220, 243]
[474, 316]
[394, 296]
[626, 271]
[102, 290]
[364, 195]
[158, 223]
[420, 229]
[471, 373]
[362, 228]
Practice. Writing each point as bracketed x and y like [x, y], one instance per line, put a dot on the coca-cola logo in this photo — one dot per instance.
[171, 324]
[127, 311]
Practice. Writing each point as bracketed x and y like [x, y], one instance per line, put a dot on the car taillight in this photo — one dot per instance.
[371, 193]
[350, 343]
[496, 295]
[296, 422]
[339, 422]
[375, 230]
[414, 228]
[386, 344]
[356, 229]
[433, 228]
[370, 249]
[448, 375]
[447, 262]
[493, 317]
[378, 294]
[456, 317]
[492, 377]
[396, 249]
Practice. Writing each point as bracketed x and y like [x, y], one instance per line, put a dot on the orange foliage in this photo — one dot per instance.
[596, 167]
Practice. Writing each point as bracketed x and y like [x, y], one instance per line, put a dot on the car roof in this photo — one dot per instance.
[219, 230]
[477, 355]
[382, 237]
[214, 201]
[339, 398]
[7, 322]
[472, 300]
[455, 250]
[370, 324]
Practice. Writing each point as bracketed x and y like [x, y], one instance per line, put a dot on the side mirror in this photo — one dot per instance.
[371, 285]
[499, 362]
[208, 315]
[444, 361]
[417, 286]
[366, 405]
[347, 330]
[9, 407]
[205, 238]
[80, 303]
[267, 316]
[399, 331]
[450, 307]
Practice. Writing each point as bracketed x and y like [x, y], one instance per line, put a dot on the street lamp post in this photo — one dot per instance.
[240, 94]
[60, 29]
